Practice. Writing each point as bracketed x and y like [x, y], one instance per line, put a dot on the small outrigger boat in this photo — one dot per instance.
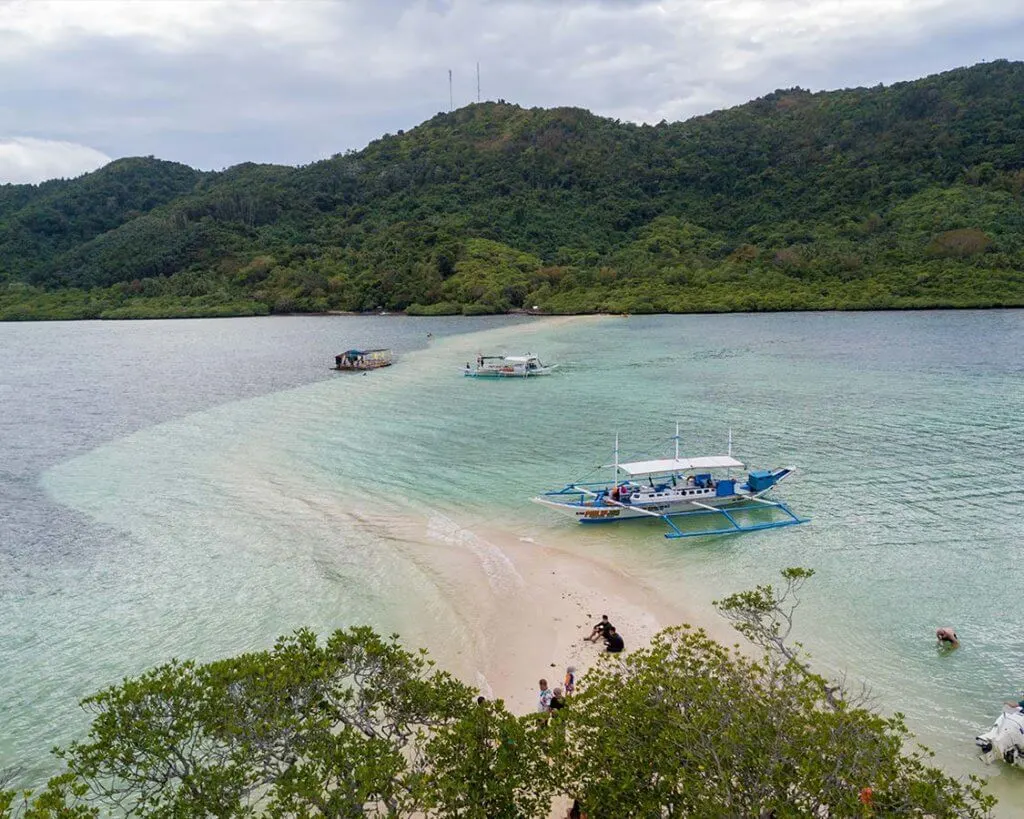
[363, 359]
[507, 366]
[667, 488]
[1005, 738]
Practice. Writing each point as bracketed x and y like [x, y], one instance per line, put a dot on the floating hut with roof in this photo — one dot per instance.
[363, 359]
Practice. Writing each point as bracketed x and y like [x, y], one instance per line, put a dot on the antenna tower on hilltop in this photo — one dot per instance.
[478, 82]
[451, 103]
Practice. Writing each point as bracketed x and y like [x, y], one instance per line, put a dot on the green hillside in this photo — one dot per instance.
[890, 197]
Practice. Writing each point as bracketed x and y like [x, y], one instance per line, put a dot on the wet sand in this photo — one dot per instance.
[525, 608]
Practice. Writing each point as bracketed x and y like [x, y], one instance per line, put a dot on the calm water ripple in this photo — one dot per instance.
[197, 488]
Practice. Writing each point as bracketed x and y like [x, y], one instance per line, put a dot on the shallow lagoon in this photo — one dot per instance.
[196, 488]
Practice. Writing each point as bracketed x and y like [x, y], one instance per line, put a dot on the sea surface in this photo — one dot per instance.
[197, 488]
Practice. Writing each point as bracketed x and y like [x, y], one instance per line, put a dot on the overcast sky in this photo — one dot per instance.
[215, 82]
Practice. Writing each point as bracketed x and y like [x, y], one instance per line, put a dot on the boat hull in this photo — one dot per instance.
[677, 487]
[376, 365]
[1005, 739]
[507, 366]
[504, 374]
[362, 360]
[674, 495]
[600, 512]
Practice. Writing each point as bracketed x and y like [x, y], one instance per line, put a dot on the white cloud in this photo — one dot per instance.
[24, 159]
[214, 82]
[169, 24]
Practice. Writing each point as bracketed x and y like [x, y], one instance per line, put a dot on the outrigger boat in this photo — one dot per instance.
[507, 366]
[363, 359]
[667, 488]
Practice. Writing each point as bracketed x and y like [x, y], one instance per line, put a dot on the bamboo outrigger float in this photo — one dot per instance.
[667, 488]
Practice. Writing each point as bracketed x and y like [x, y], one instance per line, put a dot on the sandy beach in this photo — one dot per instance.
[526, 607]
[523, 605]
[563, 596]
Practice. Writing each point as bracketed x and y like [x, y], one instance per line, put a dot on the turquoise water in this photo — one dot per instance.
[317, 503]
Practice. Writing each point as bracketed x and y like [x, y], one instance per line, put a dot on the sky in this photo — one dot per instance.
[212, 83]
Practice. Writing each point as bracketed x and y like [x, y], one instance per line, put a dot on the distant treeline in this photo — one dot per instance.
[902, 197]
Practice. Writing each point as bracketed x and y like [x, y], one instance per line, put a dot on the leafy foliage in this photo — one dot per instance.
[358, 726]
[902, 197]
[490, 765]
[689, 728]
[307, 729]
[39, 222]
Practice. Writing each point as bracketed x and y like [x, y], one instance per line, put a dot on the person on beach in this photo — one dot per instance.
[570, 681]
[576, 811]
[947, 637]
[557, 700]
[600, 630]
[614, 643]
[544, 700]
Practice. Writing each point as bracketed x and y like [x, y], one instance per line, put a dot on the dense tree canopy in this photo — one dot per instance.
[901, 196]
[688, 728]
[358, 726]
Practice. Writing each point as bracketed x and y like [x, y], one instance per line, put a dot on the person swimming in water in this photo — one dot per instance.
[947, 637]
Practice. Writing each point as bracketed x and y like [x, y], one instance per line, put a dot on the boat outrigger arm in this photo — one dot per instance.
[734, 525]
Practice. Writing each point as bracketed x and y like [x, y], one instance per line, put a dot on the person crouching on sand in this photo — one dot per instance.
[600, 630]
[614, 641]
[947, 637]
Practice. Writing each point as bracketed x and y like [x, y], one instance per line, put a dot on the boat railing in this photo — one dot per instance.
[574, 488]
[664, 482]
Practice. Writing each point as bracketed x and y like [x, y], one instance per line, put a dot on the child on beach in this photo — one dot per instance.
[544, 700]
[570, 680]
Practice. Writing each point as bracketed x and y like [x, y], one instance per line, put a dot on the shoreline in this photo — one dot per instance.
[511, 609]
[12, 317]
[532, 603]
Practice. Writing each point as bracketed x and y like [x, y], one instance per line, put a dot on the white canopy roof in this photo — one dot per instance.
[680, 465]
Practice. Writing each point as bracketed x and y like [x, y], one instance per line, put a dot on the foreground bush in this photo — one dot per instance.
[688, 727]
[359, 726]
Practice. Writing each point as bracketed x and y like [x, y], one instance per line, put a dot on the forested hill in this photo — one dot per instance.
[900, 196]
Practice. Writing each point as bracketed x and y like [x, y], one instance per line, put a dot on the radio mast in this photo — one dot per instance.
[478, 82]
[451, 103]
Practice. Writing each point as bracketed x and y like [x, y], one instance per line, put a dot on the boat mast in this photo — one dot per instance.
[615, 477]
[728, 471]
